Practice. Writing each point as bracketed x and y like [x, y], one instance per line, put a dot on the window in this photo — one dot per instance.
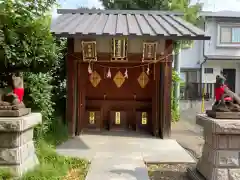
[208, 70]
[183, 76]
[229, 34]
[119, 49]
[89, 51]
[149, 51]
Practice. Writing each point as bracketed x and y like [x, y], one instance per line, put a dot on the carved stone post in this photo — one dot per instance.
[221, 152]
[17, 152]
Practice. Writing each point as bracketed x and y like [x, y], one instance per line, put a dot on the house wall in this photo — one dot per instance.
[218, 66]
[135, 45]
[192, 57]
[212, 46]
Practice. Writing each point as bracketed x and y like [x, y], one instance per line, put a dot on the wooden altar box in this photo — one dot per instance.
[118, 120]
[142, 121]
[93, 119]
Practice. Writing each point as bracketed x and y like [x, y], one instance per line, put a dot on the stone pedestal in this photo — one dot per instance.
[221, 152]
[17, 152]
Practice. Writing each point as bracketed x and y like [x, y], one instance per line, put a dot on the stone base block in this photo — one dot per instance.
[223, 115]
[19, 170]
[15, 139]
[221, 158]
[15, 113]
[19, 124]
[16, 155]
[222, 174]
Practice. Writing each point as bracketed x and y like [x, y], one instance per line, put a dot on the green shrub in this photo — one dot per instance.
[174, 110]
[38, 96]
[53, 166]
[5, 174]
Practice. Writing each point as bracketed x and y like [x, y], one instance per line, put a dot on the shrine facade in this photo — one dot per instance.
[119, 68]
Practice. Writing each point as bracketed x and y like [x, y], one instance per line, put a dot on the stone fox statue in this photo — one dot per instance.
[12, 97]
[18, 88]
[226, 100]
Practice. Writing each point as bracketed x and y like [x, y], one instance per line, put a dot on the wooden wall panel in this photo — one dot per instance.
[70, 89]
[155, 96]
[165, 92]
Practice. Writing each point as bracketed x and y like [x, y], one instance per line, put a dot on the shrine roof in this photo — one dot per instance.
[162, 24]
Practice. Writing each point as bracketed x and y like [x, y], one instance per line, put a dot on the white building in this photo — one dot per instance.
[221, 54]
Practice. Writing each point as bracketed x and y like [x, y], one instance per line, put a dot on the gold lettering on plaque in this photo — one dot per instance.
[89, 51]
[149, 51]
[117, 118]
[144, 118]
[91, 117]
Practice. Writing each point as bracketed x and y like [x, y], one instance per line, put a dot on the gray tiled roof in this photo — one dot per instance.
[124, 22]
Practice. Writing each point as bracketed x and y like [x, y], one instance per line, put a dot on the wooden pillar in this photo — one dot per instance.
[156, 100]
[70, 88]
[165, 92]
[80, 98]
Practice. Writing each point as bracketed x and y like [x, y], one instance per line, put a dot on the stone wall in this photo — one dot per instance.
[17, 152]
[195, 105]
[221, 152]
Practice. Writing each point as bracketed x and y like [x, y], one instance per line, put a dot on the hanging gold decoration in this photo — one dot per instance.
[91, 117]
[95, 78]
[149, 51]
[117, 118]
[89, 50]
[119, 79]
[144, 118]
[119, 48]
[143, 79]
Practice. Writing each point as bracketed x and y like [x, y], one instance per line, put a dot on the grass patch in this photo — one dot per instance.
[53, 166]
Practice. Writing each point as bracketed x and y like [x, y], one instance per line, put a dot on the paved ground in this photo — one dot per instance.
[121, 155]
[187, 133]
[188, 136]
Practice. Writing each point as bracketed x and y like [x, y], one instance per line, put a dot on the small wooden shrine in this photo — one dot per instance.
[119, 68]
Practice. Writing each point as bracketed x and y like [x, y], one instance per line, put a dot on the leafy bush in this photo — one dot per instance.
[5, 174]
[174, 110]
[53, 166]
[38, 96]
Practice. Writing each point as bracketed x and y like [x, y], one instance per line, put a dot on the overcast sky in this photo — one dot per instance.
[209, 5]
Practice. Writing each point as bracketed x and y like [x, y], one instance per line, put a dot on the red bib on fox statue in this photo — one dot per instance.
[18, 87]
[219, 89]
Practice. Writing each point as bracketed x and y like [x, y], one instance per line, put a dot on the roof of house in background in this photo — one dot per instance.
[219, 57]
[79, 22]
[232, 14]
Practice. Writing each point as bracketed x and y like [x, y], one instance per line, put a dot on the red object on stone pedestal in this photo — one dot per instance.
[219, 91]
[19, 92]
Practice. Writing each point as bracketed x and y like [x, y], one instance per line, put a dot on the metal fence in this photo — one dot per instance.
[195, 91]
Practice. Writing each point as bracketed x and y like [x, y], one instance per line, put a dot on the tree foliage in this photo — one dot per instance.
[27, 45]
[26, 42]
[136, 4]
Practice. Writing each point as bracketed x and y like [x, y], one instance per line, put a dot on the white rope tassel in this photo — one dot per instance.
[89, 69]
[126, 74]
[148, 70]
[109, 75]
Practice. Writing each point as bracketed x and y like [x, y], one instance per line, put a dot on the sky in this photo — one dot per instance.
[209, 5]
